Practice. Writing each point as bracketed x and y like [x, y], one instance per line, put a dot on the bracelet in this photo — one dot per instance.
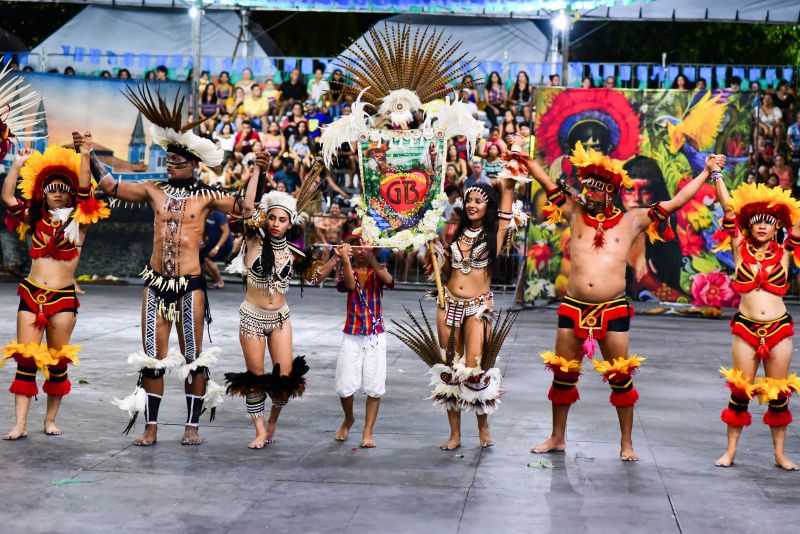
[504, 215]
[715, 175]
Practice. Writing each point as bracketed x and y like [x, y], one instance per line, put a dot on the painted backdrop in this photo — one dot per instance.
[663, 137]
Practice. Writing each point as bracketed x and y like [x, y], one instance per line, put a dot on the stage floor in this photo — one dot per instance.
[92, 480]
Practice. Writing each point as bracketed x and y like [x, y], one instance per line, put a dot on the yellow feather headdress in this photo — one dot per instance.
[55, 160]
[754, 199]
[593, 165]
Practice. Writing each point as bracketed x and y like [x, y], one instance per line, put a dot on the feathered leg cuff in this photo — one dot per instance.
[446, 389]
[564, 389]
[24, 381]
[481, 391]
[778, 413]
[283, 388]
[57, 384]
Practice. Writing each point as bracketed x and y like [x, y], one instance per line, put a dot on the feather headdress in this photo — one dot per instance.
[16, 119]
[167, 128]
[294, 206]
[455, 119]
[55, 160]
[595, 168]
[748, 200]
[398, 71]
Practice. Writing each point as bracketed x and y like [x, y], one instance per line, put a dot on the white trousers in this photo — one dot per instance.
[362, 365]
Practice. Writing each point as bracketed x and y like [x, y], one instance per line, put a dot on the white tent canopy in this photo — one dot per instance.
[487, 39]
[140, 39]
[769, 11]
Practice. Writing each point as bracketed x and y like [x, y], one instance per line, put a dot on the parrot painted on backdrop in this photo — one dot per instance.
[695, 133]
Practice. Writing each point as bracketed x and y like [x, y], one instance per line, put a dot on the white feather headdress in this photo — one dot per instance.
[455, 119]
[167, 129]
[346, 129]
[16, 117]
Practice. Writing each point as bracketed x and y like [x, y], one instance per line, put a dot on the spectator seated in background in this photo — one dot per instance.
[246, 81]
[224, 88]
[494, 94]
[225, 137]
[209, 108]
[287, 175]
[793, 142]
[256, 107]
[555, 80]
[477, 176]
[225, 118]
[329, 227]
[769, 118]
[246, 138]
[316, 119]
[290, 122]
[784, 101]
[273, 96]
[318, 88]
[274, 142]
[293, 91]
[493, 163]
[494, 139]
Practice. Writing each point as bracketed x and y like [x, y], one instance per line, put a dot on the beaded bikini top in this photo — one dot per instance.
[478, 257]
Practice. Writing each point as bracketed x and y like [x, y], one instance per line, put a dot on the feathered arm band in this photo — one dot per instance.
[658, 215]
[722, 237]
[516, 165]
[553, 210]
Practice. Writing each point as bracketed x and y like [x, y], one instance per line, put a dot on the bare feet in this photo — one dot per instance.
[451, 444]
[626, 453]
[51, 429]
[726, 460]
[367, 442]
[785, 463]
[259, 442]
[485, 436]
[191, 436]
[270, 432]
[148, 437]
[18, 432]
[552, 444]
[344, 430]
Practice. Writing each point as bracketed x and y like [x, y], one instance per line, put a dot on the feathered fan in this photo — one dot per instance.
[497, 336]
[422, 340]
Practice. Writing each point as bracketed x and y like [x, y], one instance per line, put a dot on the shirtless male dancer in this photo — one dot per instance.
[595, 308]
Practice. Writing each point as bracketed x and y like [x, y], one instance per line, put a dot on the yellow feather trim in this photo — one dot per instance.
[39, 166]
[67, 352]
[773, 196]
[564, 365]
[619, 366]
[39, 353]
[91, 212]
[553, 213]
[734, 377]
[581, 158]
[771, 388]
[652, 232]
[22, 229]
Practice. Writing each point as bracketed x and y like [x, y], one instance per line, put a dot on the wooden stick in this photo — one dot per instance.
[437, 276]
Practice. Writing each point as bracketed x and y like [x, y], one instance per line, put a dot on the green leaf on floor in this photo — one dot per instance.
[65, 481]
[541, 464]
[82, 381]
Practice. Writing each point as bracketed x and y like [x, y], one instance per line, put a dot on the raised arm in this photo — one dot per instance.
[690, 190]
[504, 211]
[85, 178]
[10, 183]
[553, 191]
[348, 278]
[235, 204]
[128, 192]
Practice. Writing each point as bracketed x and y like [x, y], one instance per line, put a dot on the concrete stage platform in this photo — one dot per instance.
[92, 480]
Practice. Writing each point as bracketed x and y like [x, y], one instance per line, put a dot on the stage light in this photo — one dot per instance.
[193, 12]
[560, 21]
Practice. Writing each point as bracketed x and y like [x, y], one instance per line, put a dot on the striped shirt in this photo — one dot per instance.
[364, 304]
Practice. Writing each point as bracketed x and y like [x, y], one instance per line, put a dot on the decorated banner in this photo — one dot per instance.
[663, 138]
[402, 176]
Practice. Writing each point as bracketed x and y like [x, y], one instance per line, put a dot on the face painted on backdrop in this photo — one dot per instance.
[763, 227]
[475, 206]
[57, 194]
[178, 167]
[638, 196]
[278, 223]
